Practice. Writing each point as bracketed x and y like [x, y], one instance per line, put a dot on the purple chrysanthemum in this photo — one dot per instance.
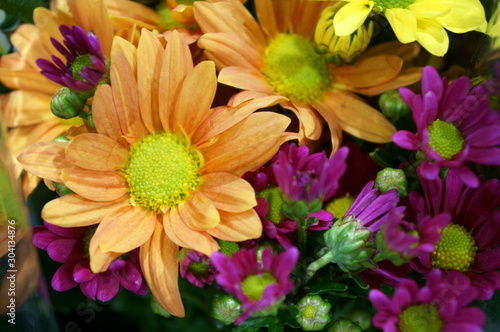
[435, 307]
[454, 126]
[257, 284]
[197, 269]
[68, 246]
[85, 62]
[471, 242]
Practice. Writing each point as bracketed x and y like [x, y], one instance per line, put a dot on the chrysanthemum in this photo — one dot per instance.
[70, 246]
[277, 57]
[197, 268]
[163, 169]
[433, 307]
[257, 284]
[424, 21]
[26, 110]
[453, 126]
[471, 242]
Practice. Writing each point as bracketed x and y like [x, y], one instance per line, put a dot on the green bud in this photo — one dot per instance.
[63, 139]
[344, 325]
[67, 104]
[314, 313]
[392, 105]
[90, 120]
[158, 309]
[390, 178]
[228, 248]
[225, 308]
[61, 189]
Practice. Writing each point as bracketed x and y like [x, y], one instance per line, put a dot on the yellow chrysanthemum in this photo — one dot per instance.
[276, 56]
[26, 110]
[416, 20]
[163, 169]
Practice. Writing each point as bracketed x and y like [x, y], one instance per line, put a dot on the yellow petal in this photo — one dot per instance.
[160, 268]
[228, 192]
[432, 37]
[94, 185]
[44, 159]
[185, 237]
[198, 212]
[96, 152]
[125, 229]
[403, 23]
[350, 17]
[237, 227]
[76, 211]
[464, 16]
[183, 14]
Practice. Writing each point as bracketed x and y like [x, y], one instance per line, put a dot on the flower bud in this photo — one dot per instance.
[61, 189]
[344, 325]
[390, 178]
[314, 313]
[63, 139]
[225, 308]
[392, 105]
[340, 49]
[66, 103]
[158, 309]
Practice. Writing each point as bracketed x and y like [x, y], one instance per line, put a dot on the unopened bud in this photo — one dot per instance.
[67, 104]
[392, 105]
[314, 313]
[225, 308]
[390, 178]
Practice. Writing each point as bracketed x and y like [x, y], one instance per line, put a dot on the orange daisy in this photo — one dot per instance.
[163, 169]
[26, 110]
[276, 56]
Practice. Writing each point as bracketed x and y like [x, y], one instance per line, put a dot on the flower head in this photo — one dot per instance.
[453, 126]
[416, 20]
[162, 170]
[314, 313]
[197, 269]
[470, 242]
[434, 307]
[70, 246]
[257, 284]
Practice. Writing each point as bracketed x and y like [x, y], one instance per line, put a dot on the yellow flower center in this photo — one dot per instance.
[275, 202]
[445, 139]
[417, 318]
[294, 68]
[308, 312]
[161, 170]
[380, 6]
[338, 207]
[254, 285]
[455, 250]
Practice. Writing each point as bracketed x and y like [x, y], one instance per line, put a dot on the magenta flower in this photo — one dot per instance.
[454, 126]
[471, 242]
[435, 307]
[257, 284]
[69, 246]
[197, 269]
[85, 62]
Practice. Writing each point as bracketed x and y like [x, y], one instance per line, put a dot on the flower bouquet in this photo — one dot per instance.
[259, 165]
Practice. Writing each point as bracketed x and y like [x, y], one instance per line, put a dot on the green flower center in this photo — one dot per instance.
[199, 268]
[417, 318]
[161, 170]
[254, 286]
[445, 139]
[308, 312]
[455, 250]
[294, 68]
[275, 202]
[78, 64]
[338, 207]
[380, 6]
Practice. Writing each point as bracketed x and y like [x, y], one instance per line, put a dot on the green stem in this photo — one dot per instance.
[302, 234]
[318, 264]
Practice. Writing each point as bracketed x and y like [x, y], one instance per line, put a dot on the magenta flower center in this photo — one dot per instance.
[455, 250]
[417, 318]
[445, 139]
[254, 285]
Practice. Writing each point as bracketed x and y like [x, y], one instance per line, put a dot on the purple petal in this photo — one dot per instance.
[43, 237]
[466, 175]
[63, 278]
[406, 140]
[82, 272]
[428, 170]
[431, 81]
[130, 278]
[89, 288]
[107, 286]
[65, 250]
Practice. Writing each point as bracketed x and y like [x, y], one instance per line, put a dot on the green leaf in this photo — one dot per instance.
[23, 8]
[325, 285]
[255, 324]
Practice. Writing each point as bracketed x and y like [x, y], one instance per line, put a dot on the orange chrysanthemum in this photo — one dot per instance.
[163, 169]
[276, 57]
[26, 110]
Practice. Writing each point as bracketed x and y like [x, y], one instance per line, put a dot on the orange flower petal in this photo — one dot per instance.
[247, 145]
[177, 63]
[96, 152]
[405, 77]
[160, 268]
[245, 79]
[356, 117]
[192, 108]
[311, 125]
[228, 192]
[267, 17]
[198, 211]
[44, 159]
[237, 227]
[99, 260]
[125, 229]
[104, 113]
[24, 108]
[185, 237]
[29, 80]
[333, 124]
[94, 185]
[76, 211]
[150, 54]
